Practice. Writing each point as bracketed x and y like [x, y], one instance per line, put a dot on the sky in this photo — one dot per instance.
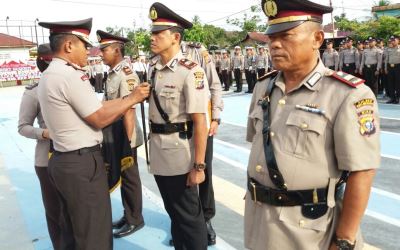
[134, 13]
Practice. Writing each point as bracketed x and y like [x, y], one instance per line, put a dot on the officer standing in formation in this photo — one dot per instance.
[371, 63]
[178, 128]
[237, 67]
[225, 69]
[330, 57]
[349, 58]
[30, 111]
[120, 82]
[308, 124]
[392, 69]
[261, 61]
[74, 117]
[196, 52]
[250, 69]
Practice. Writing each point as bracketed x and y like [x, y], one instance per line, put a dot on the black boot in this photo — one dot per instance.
[127, 229]
[211, 235]
[119, 223]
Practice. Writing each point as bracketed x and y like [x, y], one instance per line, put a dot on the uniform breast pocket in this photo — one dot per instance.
[169, 100]
[257, 117]
[112, 92]
[305, 133]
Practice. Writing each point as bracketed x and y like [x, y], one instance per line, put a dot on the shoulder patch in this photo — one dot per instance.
[127, 70]
[187, 63]
[269, 74]
[199, 79]
[131, 84]
[348, 79]
[32, 86]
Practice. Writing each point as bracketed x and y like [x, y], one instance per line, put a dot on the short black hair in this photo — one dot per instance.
[56, 41]
[177, 30]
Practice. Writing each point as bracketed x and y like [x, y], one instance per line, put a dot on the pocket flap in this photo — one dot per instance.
[166, 93]
[172, 141]
[307, 122]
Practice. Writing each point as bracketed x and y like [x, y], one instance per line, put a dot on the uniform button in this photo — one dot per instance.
[272, 134]
[176, 144]
[304, 125]
[275, 176]
[302, 223]
[258, 168]
[282, 102]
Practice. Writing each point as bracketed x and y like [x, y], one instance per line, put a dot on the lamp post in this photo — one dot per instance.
[37, 41]
[7, 18]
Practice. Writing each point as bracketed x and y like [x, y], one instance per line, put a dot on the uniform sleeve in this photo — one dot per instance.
[386, 59]
[128, 83]
[341, 60]
[336, 60]
[217, 104]
[379, 55]
[196, 91]
[357, 59]
[251, 130]
[28, 112]
[362, 60]
[357, 132]
[81, 96]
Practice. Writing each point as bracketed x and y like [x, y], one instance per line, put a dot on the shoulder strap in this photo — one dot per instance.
[164, 115]
[273, 171]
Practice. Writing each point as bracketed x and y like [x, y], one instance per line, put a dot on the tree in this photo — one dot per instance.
[140, 39]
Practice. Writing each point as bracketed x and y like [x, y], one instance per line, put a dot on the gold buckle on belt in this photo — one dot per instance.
[368, 66]
[392, 65]
[254, 191]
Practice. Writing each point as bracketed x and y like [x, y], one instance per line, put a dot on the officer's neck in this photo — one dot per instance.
[294, 77]
[116, 62]
[169, 53]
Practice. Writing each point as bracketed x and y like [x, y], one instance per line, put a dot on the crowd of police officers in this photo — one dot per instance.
[312, 123]
[370, 60]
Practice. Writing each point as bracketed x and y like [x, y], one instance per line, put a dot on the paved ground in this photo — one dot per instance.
[22, 223]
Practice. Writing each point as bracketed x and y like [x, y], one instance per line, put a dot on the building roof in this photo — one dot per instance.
[395, 6]
[7, 41]
[257, 37]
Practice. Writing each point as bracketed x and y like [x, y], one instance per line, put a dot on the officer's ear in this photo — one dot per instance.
[318, 39]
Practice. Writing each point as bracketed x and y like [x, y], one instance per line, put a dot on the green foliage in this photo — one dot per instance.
[140, 39]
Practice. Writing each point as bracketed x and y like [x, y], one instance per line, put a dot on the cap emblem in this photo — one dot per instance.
[153, 14]
[270, 8]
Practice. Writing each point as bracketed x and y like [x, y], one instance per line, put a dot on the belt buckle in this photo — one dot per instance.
[347, 65]
[392, 65]
[368, 66]
[254, 191]
[185, 127]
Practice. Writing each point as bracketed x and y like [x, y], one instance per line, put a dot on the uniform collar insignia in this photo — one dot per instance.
[314, 79]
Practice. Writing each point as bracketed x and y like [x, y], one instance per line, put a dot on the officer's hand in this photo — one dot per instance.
[45, 134]
[195, 177]
[213, 128]
[140, 93]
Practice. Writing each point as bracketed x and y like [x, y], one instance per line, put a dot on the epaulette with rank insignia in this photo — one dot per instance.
[343, 77]
[32, 86]
[187, 63]
[195, 44]
[269, 74]
[127, 70]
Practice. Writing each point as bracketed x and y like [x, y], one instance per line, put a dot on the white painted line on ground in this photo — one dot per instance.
[389, 118]
[386, 193]
[384, 218]
[389, 133]
[230, 162]
[390, 157]
[245, 150]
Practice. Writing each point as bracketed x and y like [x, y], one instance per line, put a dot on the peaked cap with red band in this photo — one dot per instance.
[164, 18]
[106, 39]
[80, 28]
[287, 14]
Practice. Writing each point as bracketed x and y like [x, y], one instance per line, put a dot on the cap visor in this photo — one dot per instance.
[157, 28]
[276, 28]
[85, 40]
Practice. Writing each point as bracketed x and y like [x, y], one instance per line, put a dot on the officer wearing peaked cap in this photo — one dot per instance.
[74, 117]
[371, 64]
[121, 81]
[177, 113]
[392, 68]
[330, 57]
[302, 141]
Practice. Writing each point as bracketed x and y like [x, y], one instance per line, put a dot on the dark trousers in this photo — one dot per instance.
[371, 79]
[51, 205]
[394, 81]
[219, 74]
[140, 74]
[238, 79]
[349, 68]
[92, 81]
[98, 86]
[206, 190]
[225, 79]
[81, 183]
[260, 72]
[252, 80]
[131, 193]
[382, 82]
[183, 206]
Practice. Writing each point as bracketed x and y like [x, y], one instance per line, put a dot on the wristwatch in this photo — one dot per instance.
[218, 120]
[199, 166]
[343, 244]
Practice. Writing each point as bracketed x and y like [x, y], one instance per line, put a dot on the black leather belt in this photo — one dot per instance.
[81, 151]
[370, 65]
[275, 197]
[170, 128]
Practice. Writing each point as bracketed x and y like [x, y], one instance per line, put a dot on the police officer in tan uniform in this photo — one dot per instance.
[371, 63]
[308, 125]
[261, 61]
[237, 67]
[121, 81]
[74, 117]
[177, 114]
[349, 59]
[330, 57]
[30, 111]
[225, 69]
[392, 69]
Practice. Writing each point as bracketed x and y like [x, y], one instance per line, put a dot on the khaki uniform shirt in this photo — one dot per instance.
[200, 55]
[121, 81]
[225, 63]
[331, 58]
[392, 57]
[262, 61]
[237, 62]
[29, 111]
[349, 56]
[311, 151]
[182, 91]
[371, 56]
[66, 97]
